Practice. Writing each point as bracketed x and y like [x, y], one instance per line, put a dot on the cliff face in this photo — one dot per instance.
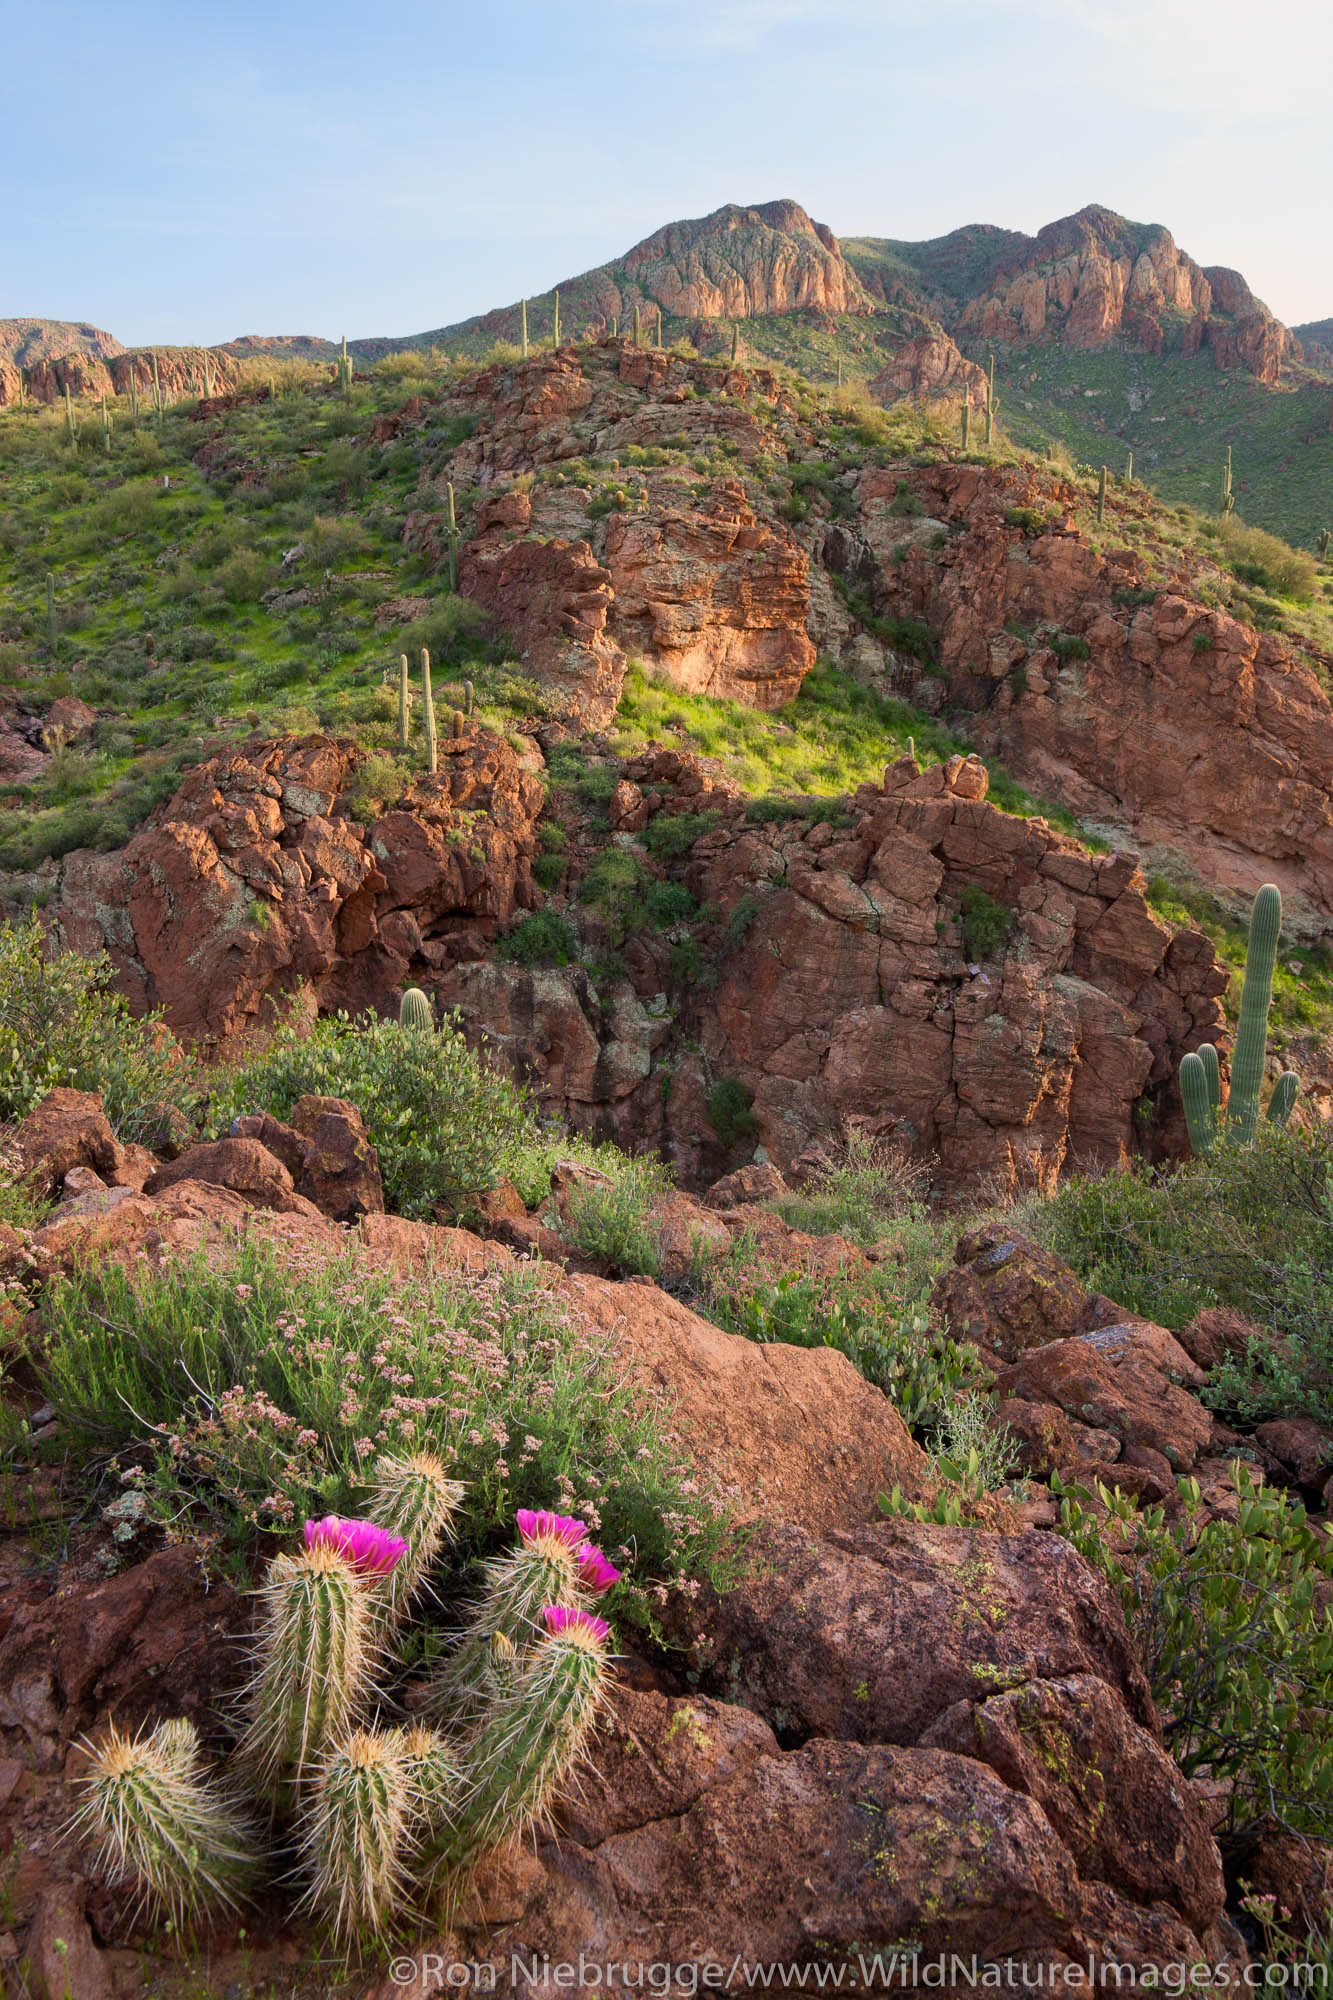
[181, 371]
[741, 262]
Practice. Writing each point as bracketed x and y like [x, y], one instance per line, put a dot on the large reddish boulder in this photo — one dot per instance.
[872, 1633]
[242, 1165]
[1007, 1293]
[67, 1129]
[1115, 1389]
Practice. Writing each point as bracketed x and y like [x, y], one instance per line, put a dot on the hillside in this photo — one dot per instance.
[25, 342]
[1106, 337]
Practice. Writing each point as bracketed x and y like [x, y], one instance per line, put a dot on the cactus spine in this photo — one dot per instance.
[162, 1824]
[1247, 1064]
[1101, 496]
[413, 1497]
[414, 1011]
[428, 710]
[313, 1663]
[523, 327]
[531, 1739]
[355, 1834]
[1228, 494]
[404, 704]
[515, 1589]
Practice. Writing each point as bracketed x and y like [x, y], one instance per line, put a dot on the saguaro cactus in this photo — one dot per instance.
[162, 1824]
[523, 327]
[404, 704]
[1129, 470]
[1228, 493]
[990, 400]
[1101, 496]
[967, 416]
[1325, 543]
[51, 611]
[453, 537]
[414, 1011]
[555, 323]
[428, 711]
[735, 342]
[1200, 1078]
[638, 326]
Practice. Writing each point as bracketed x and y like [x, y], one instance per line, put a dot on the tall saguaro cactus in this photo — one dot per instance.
[1228, 492]
[523, 326]
[404, 708]
[1200, 1076]
[428, 711]
[555, 323]
[1101, 496]
[990, 401]
[638, 326]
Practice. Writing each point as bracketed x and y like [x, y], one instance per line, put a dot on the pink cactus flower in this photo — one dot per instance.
[540, 1523]
[595, 1572]
[372, 1551]
[584, 1627]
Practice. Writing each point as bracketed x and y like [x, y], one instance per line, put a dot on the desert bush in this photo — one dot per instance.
[608, 1220]
[871, 1190]
[257, 1388]
[1250, 1227]
[669, 837]
[729, 1105]
[1260, 558]
[867, 1316]
[986, 923]
[614, 886]
[1234, 1624]
[541, 937]
[62, 1024]
[445, 1125]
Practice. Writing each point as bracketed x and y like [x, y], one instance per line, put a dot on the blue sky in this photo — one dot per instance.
[191, 174]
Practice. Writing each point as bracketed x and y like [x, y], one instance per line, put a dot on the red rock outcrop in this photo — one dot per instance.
[254, 877]
[927, 366]
[552, 599]
[713, 598]
[180, 372]
[1193, 731]
[739, 262]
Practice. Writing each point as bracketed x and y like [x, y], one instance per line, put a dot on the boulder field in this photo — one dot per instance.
[887, 1731]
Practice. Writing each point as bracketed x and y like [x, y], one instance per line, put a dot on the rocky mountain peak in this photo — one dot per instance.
[26, 342]
[739, 262]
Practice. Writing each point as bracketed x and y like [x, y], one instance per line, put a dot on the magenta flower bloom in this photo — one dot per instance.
[535, 1523]
[372, 1551]
[595, 1572]
[584, 1627]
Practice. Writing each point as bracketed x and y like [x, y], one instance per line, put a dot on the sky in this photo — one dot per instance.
[192, 174]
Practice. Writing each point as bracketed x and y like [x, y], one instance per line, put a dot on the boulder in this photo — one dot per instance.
[791, 1433]
[63, 1963]
[1116, 1798]
[242, 1165]
[1008, 1293]
[870, 1634]
[1302, 1446]
[1124, 1394]
[67, 1129]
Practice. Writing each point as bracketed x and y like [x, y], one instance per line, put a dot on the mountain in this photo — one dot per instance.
[1108, 340]
[25, 342]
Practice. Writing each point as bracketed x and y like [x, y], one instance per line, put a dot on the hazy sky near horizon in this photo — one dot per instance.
[197, 174]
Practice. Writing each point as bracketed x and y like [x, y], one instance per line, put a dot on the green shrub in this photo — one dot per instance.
[608, 1220]
[63, 1024]
[1234, 1625]
[986, 923]
[864, 1315]
[1249, 1227]
[1260, 558]
[729, 1107]
[446, 1126]
[542, 937]
[670, 837]
[1069, 646]
[667, 903]
[614, 886]
[870, 1192]
[256, 1391]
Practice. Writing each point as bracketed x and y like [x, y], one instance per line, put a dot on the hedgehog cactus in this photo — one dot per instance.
[313, 1662]
[532, 1736]
[354, 1835]
[162, 1825]
[413, 1496]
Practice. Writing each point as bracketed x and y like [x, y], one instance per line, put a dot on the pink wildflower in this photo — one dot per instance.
[584, 1627]
[594, 1569]
[371, 1551]
[535, 1522]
